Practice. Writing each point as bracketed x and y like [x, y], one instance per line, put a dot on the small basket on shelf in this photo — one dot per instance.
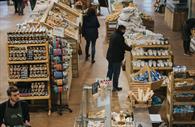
[184, 98]
[187, 116]
[184, 86]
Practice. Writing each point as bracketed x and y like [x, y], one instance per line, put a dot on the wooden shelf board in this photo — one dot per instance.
[169, 89]
[34, 98]
[28, 80]
[168, 117]
[183, 103]
[153, 46]
[169, 99]
[185, 91]
[156, 68]
[28, 62]
[152, 57]
[184, 122]
[26, 45]
[183, 79]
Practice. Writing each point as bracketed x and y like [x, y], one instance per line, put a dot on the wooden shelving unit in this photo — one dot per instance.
[171, 101]
[110, 27]
[129, 58]
[29, 80]
[72, 37]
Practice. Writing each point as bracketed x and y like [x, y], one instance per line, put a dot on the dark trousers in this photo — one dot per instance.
[186, 46]
[114, 70]
[20, 7]
[93, 43]
[15, 5]
[32, 4]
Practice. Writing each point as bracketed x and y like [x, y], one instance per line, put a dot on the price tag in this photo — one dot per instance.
[58, 31]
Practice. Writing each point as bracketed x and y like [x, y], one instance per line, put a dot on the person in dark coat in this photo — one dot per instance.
[14, 112]
[115, 55]
[90, 32]
[188, 26]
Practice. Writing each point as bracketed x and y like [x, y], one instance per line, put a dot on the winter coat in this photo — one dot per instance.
[90, 27]
[117, 47]
[190, 23]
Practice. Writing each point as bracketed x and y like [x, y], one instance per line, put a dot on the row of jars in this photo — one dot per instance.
[31, 53]
[26, 71]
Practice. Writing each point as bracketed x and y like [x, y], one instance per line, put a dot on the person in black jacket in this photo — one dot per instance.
[190, 23]
[90, 32]
[14, 112]
[115, 55]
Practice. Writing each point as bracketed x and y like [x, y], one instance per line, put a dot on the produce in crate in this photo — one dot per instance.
[147, 76]
[142, 96]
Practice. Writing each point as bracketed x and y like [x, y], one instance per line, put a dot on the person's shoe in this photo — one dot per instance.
[187, 54]
[87, 57]
[191, 52]
[92, 61]
[114, 90]
[117, 89]
[16, 12]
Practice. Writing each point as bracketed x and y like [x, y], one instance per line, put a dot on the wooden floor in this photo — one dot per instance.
[87, 72]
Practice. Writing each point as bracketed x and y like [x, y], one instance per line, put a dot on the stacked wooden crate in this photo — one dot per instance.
[75, 59]
[110, 27]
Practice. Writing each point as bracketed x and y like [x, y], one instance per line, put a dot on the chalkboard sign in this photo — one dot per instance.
[95, 87]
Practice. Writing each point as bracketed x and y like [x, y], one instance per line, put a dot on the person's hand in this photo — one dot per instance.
[27, 124]
[3, 125]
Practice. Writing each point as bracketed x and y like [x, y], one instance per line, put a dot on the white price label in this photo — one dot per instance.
[58, 31]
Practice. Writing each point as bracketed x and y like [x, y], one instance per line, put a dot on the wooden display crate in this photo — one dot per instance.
[149, 24]
[178, 118]
[110, 28]
[141, 104]
[75, 59]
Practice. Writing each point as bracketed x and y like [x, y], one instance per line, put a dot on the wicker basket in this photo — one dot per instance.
[153, 84]
[183, 116]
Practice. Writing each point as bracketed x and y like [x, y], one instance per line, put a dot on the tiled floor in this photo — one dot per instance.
[87, 72]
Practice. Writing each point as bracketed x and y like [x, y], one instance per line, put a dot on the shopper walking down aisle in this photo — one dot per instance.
[90, 32]
[115, 55]
[188, 26]
[14, 112]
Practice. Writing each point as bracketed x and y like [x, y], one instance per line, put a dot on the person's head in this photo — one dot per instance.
[91, 11]
[121, 29]
[13, 93]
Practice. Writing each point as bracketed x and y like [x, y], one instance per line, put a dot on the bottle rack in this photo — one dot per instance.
[28, 63]
[172, 101]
